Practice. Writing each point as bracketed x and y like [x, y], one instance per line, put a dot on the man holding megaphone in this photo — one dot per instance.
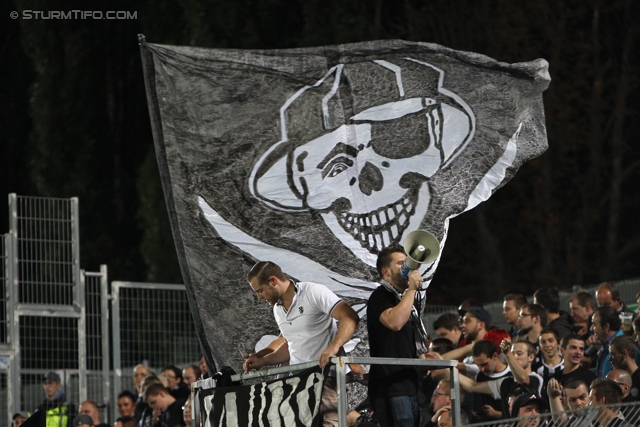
[395, 330]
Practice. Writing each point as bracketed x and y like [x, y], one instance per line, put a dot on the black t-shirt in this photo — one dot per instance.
[584, 374]
[481, 399]
[635, 385]
[509, 384]
[386, 380]
[173, 415]
[182, 392]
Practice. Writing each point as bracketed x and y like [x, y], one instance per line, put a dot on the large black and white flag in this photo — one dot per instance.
[317, 158]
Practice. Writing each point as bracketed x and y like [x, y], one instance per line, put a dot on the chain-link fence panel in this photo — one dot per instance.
[46, 239]
[153, 326]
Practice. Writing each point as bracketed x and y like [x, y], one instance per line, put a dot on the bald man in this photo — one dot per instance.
[623, 379]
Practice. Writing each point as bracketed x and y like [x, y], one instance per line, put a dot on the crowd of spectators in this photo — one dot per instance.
[552, 358]
[161, 400]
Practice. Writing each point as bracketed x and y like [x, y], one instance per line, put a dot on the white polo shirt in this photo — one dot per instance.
[308, 326]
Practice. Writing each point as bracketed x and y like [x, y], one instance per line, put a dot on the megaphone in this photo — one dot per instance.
[421, 247]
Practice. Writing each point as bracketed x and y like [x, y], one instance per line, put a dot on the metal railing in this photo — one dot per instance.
[585, 417]
[341, 380]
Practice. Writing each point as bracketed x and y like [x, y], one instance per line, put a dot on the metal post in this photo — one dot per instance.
[115, 328]
[104, 326]
[341, 389]
[82, 341]
[455, 395]
[195, 408]
[14, 320]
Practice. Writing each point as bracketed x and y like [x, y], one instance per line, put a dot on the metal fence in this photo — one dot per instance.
[55, 316]
[603, 415]
[152, 325]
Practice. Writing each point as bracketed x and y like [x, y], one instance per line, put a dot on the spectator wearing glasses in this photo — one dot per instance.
[623, 379]
[178, 388]
[441, 403]
[532, 319]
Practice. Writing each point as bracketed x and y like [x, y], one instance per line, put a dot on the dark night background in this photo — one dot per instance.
[74, 122]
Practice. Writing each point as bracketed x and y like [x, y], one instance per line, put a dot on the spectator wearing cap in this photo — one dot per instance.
[55, 407]
[19, 417]
[82, 420]
[464, 305]
[476, 325]
[528, 405]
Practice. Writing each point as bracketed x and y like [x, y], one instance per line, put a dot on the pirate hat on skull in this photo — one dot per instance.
[404, 102]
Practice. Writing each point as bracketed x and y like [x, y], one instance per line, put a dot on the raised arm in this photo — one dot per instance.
[554, 390]
[519, 374]
[396, 317]
[458, 353]
[471, 386]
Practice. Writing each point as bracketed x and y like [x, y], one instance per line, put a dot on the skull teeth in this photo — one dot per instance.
[381, 227]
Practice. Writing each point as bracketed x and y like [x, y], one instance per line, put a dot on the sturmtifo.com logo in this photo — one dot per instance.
[74, 14]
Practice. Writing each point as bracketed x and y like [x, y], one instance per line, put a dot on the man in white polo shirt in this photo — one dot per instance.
[306, 314]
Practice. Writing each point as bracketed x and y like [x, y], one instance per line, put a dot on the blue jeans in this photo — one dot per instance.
[401, 411]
